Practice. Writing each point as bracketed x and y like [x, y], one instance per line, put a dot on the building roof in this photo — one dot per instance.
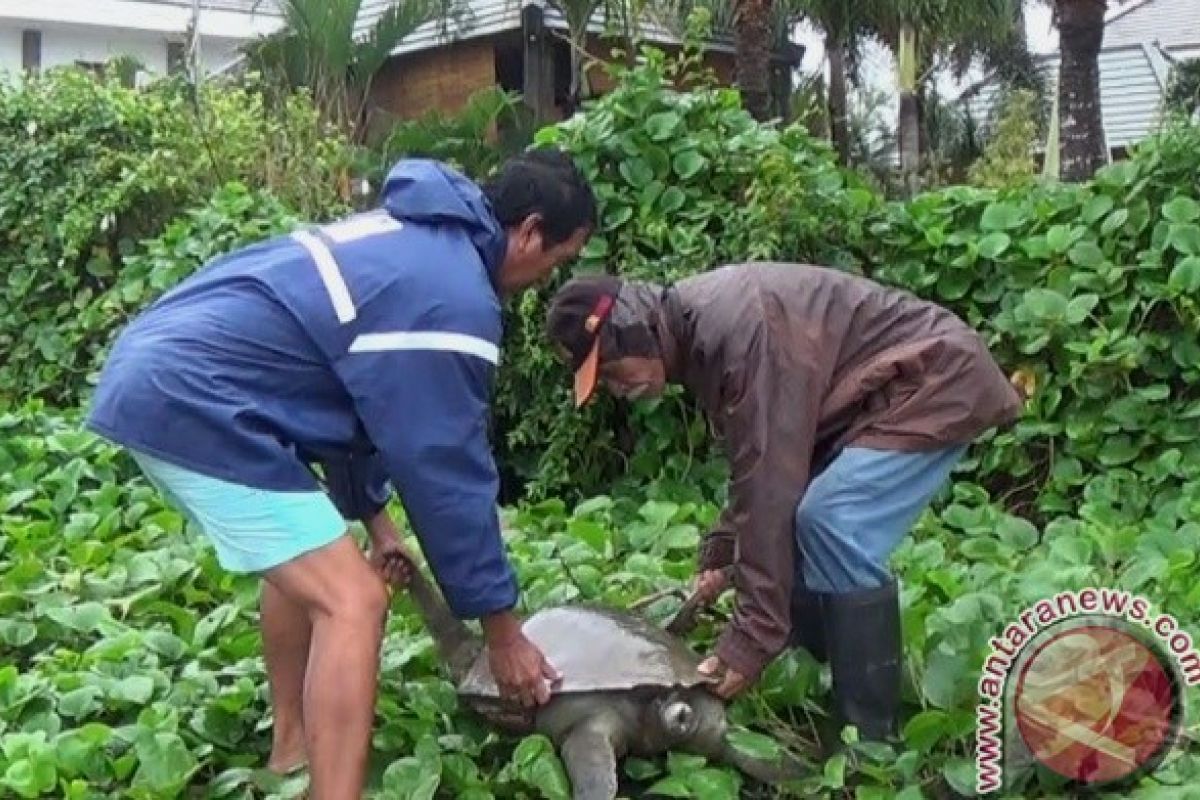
[232, 19]
[1169, 23]
[476, 18]
[1141, 41]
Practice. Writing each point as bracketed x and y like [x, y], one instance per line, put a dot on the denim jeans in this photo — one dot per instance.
[856, 512]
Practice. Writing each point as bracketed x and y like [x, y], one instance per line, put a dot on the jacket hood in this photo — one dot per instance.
[429, 192]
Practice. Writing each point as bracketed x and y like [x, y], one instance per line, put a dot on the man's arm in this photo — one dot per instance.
[770, 420]
[357, 484]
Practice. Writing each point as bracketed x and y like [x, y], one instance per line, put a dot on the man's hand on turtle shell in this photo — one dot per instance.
[732, 682]
[521, 670]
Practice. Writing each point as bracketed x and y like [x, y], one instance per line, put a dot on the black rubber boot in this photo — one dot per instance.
[863, 633]
[808, 623]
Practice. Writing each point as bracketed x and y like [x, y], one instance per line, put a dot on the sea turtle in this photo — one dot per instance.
[628, 688]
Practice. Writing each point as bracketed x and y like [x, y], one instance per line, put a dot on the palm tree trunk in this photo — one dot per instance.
[753, 58]
[1081, 33]
[909, 127]
[838, 116]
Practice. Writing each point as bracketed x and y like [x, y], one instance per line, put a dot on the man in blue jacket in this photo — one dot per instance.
[366, 347]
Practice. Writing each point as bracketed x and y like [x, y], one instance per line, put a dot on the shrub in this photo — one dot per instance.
[1090, 291]
[685, 181]
[92, 168]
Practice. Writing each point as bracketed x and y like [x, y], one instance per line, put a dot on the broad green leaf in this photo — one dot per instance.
[672, 200]
[754, 744]
[711, 783]
[592, 533]
[945, 678]
[1061, 237]
[1017, 533]
[670, 786]
[408, 777]
[994, 244]
[1046, 304]
[84, 617]
[1118, 450]
[926, 729]
[1087, 254]
[1002, 216]
[662, 125]
[1115, 221]
[1185, 238]
[1181, 209]
[539, 766]
[1095, 208]
[164, 762]
[30, 777]
[688, 163]
[17, 632]
[1185, 276]
[1080, 307]
[136, 689]
[835, 772]
[80, 702]
[960, 773]
[636, 172]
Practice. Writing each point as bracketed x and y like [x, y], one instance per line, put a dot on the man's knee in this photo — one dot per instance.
[837, 554]
[361, 602]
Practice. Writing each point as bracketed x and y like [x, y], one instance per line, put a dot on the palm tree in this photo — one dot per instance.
[319, 48]
[844, 26]
[1081, 128]
[919, 33]
[753, 24]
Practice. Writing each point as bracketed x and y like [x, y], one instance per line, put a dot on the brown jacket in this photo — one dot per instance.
[791, 363]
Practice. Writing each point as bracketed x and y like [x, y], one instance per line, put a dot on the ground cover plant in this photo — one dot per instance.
[130, 663]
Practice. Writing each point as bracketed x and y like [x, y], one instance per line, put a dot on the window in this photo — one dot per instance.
[31, 50]
[176, 57]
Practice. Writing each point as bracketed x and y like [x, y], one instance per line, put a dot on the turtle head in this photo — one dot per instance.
[688, 716]
[677, 718]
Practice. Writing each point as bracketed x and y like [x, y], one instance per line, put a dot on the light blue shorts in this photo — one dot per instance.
[253, 530]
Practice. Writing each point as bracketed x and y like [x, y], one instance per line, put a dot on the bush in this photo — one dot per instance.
[92, 168]
[685, 181]
[1090, 291]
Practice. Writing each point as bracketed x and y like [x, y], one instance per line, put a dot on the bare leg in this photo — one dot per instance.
[346, 601]
[286, 632]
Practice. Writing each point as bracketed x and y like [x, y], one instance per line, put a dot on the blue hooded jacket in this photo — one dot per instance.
[368, 345]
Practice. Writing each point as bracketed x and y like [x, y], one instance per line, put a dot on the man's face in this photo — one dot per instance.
[633, 377]
[528, 261]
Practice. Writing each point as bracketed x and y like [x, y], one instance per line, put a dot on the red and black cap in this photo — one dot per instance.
[577, 315]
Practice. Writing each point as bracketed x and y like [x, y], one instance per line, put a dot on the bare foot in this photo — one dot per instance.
[286, 760]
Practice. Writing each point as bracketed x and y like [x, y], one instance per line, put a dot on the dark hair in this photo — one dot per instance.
[543, 181]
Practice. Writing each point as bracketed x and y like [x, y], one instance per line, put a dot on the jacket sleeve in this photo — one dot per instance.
[422, 391]
[769, 419]
[718, 546]
[358, 484]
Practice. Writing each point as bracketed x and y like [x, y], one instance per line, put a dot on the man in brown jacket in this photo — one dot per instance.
[842, 404]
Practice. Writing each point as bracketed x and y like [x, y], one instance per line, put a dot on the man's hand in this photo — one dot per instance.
[390, 558]
[732, 682]
[519, 667]
[710, 584]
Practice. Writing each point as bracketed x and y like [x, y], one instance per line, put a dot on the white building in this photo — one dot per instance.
[39, 34]
[1142, 40]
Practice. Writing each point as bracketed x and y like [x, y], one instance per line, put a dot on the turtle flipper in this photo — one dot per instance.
[785, 767]
[589, 754]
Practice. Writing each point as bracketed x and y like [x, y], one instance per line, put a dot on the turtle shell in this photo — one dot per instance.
[599, 649]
